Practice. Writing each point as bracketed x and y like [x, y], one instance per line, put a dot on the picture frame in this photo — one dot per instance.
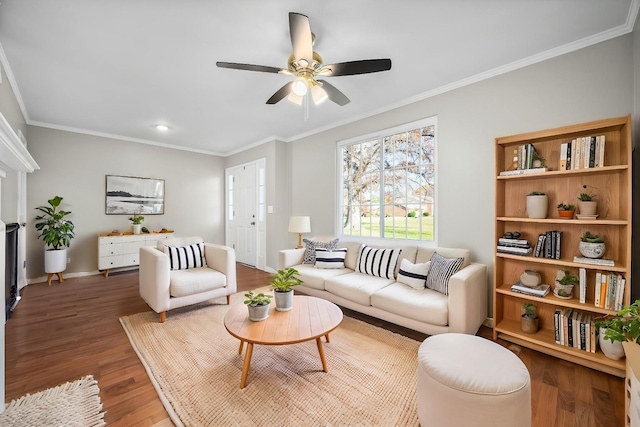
[128, 195]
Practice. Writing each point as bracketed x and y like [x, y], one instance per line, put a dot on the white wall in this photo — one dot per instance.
[74, 166]
[593, 83]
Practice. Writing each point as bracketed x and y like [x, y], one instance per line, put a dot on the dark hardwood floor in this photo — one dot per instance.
[68, 330]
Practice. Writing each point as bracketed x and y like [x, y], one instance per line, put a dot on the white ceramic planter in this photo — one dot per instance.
[136, 228]
[284, 300]
[537, 206]
[258, 312]
[55, 260]
[588, 208]
[592, 250]
[613, 350]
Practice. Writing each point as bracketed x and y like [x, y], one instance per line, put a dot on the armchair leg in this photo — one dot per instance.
[163, 316]
[228, 299]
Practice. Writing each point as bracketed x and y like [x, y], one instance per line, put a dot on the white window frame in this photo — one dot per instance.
[433, 120]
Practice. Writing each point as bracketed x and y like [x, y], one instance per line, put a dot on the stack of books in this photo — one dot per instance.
[582, 153]
[524, 158]
[537, 291]
[548, 245]
[575, 329]
[594, 261]
[514, 246]
[609, 291]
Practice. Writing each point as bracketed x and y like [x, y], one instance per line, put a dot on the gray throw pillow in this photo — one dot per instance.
[311, 245]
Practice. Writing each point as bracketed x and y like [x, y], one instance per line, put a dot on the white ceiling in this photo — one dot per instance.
[116, 67]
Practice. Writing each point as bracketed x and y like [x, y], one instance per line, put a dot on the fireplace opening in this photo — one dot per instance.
[11, 269]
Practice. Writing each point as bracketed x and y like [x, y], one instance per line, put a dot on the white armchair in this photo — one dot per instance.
[165, 289]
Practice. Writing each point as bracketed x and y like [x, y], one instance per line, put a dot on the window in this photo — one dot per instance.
[388, 183]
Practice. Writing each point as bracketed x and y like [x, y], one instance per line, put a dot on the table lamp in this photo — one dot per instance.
[299, 224]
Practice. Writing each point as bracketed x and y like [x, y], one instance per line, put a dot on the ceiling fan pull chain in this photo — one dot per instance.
[306, 107]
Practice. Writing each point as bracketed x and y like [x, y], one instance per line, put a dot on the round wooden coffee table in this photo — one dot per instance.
[310, 318]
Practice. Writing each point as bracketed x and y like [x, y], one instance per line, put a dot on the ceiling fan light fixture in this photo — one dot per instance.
[319, 95]
[296, 99]
[300, 86]
[161, 127]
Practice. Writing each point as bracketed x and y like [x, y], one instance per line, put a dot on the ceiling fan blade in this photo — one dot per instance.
[351, 68]
[301, 40]
[280, 94]
[249, 67]
[334, 94]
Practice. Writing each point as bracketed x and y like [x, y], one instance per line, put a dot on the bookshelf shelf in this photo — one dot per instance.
[612, 184]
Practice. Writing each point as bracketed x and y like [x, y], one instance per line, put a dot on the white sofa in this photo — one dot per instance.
[463, 310]
[165, 289]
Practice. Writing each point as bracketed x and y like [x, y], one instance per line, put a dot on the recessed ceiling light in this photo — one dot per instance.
[162, 128]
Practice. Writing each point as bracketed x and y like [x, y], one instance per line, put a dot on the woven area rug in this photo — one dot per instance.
[74, 404]
[195, 366]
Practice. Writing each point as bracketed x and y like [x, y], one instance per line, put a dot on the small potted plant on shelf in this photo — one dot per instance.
[258, 305]
[283, 282]
[566, 211]
[592, 245]
[529, 319]
[537, 204]
[136, 223]
[622, 327]
[586, 204]
[57, 232]
[565, 281]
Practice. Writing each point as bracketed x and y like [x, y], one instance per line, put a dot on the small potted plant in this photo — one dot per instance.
[283, 282]
[614, 330]
[136, 222]
[537, 204]
[592, 245]
[586, 204]
[565, 281]
[258, 305]
[566, 211]
[57, 232]
[529, 319]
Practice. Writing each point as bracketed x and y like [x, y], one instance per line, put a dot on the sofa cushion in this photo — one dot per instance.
[356, 287]
[353, 250]
[378, 262]
[185, 257]
[312, 245]
[441, 271]
[326, 258]
[313, 277]
[422, 305]
[195, 281]
[414, 275]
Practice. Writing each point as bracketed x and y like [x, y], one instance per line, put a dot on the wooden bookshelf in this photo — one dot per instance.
[611, 183]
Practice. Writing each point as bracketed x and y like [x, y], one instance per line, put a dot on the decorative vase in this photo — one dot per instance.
[530, 278]
[592, 250]
[588, 207]
[613, 350]
[55, 260]
[136, 228]
[284, 300]
[258, 313]
[566, 214]
[563, 291]
[529, 325]
[537, 206]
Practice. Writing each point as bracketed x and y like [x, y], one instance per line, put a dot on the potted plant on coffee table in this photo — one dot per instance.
[57, 232]
[258, 305]
[283, 282]
[529, 319]
[566, 211]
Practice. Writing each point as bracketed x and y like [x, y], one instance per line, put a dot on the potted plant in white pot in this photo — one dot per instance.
[586, 204]
[258, 305]
[57, 232]
[283, 282]
[592, 245]
[537, 204]
[614, 330]
[136, 223]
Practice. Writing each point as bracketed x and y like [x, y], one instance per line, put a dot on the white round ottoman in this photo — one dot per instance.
[465, 380]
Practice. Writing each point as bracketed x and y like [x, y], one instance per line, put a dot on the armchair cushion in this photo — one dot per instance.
[185, 257]
[195, 281]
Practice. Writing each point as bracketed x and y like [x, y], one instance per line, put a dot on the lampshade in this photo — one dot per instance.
[300, 86]
[299, 224]
[319, 95]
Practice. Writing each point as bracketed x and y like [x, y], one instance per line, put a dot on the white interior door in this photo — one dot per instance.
[242, 212]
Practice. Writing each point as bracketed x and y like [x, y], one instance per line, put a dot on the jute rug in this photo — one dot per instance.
[195, 366]
[74, 404]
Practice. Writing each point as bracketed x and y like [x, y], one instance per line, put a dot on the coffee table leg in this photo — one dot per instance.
[326, 337]
[321, 351]
[240, 349]
[247, 362]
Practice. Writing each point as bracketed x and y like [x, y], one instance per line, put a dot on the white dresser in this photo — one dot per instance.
[124, 251]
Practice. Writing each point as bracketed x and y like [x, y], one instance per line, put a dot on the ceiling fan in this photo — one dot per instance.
[306, 65]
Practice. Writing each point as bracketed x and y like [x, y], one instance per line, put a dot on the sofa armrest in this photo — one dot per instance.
[468, 299]
[223, 259]
[290, 257]
[154, 278]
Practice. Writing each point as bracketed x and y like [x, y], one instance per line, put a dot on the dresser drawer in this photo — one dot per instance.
[109, 250]
[132, 247]
[131, 259]
[107, 262]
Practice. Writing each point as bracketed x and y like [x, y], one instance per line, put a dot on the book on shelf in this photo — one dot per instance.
[558, 238]
[583, 285]
[568, 156]
[539, 245]
[574, 328]
[594, 261]
[596, 297]
[517, 243]
[563, 156]
[514, 251]
[592, 152]
[531, 171]
[541, 290]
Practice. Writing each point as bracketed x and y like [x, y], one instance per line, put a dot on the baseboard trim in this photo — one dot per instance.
[488, 322]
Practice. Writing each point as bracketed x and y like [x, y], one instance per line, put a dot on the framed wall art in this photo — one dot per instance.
[128, 195]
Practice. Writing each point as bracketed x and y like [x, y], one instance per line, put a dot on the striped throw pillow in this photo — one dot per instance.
[312, 245]
[414, 275]
[182, 258]
[441, 271]
[326, 258]
[377, 262]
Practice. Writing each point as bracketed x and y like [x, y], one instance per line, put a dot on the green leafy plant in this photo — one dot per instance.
[425, 213]
[585, 197]
[257, 299]
[536, 193]
[412, 214]
[285, 279]
[529, 311]
[569, 279]
[136, 219]
[561, 206]
[624, 326]
[55, 230]
[591, 238]
[539, 158]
